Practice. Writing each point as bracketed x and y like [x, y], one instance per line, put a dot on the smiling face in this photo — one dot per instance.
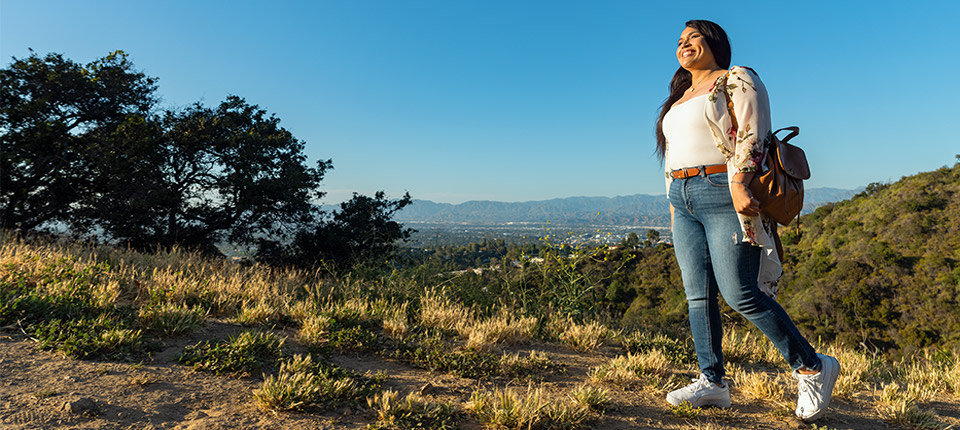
[693, 52]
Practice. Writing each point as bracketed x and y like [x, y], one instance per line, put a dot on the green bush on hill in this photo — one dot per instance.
[883, 268]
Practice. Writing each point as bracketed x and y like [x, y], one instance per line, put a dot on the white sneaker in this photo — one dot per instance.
[816, 390]
[701, 392]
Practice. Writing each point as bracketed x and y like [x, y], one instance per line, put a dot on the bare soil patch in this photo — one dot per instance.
[37, 388]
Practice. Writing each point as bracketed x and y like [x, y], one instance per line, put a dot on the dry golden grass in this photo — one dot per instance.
[922, 381]
[436, 310]
[412, 411]
[395, 322]
[759, 386]
[314, 330]
[504, 328]
[649, 368]
[951, 375]
[591, 397]
[302, 309]
[159, 285]
[120, 275]
[171, 318]
[856, 369]
[899, 406]
[743, 346]
[258, 313]
[586, 337]
[298, 385]
[511, 409]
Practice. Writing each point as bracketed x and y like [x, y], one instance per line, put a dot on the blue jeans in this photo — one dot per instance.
[713, 258]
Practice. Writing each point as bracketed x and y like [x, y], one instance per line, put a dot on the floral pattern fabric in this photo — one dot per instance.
[738, 114]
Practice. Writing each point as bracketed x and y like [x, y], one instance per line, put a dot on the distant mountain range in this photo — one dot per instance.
[637, 209]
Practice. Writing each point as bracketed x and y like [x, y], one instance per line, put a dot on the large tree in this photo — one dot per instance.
[82, 147]
[361, 231]
[49, 108]
[229, 173]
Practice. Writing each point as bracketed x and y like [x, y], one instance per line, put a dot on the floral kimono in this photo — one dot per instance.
[740, 123]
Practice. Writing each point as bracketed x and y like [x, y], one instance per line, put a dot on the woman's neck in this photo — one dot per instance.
[698, 75]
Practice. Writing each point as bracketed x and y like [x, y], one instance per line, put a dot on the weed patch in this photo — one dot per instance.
[534, 365]
[171, 319]
[900, 408]
[103, 337]
[757, 385]
[314, 330]
[678, 352]
[354, 339]
[411, 412]
[591, 397]
[510, 409]
[585, 337]
[434, 354]
[301, 383]
[242, 355]
[685, 411]
[626, 370]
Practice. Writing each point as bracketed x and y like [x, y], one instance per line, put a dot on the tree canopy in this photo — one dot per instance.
[50, 110]
[85, 147]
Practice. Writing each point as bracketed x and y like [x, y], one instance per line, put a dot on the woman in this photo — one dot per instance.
[710, 135]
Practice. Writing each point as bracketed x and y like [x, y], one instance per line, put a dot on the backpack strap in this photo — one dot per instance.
[794, 131]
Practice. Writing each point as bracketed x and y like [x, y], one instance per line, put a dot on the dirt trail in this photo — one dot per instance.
[36, 385]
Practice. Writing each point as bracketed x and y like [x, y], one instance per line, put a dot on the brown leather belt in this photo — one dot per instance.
[690, 172]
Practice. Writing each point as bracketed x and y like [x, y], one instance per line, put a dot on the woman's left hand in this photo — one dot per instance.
[743, 200]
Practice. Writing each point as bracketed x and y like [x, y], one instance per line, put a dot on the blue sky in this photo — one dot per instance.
[527, 100]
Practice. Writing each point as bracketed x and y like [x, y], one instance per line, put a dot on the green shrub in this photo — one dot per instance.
[171, 319]
[412, 412]
[103, 337]
[242, 355]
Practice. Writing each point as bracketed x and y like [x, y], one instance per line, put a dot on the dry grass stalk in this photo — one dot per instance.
[742, 346]
[314, 330]
[586, 337]
[856, 369]
[395, 322]
[510, 409]
[412, 411]
[171, 318]
[591, 397]
[436, 310]
[899, 406]
[297, 385]
[504, 328]
[174, 276]
[507, 408]
[258, 313]
[626, 370]
[951, 375]
[758, 385]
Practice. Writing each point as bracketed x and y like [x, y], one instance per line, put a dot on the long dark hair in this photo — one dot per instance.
[719, 45]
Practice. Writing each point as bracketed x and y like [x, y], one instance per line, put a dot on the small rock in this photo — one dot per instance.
[79, 406]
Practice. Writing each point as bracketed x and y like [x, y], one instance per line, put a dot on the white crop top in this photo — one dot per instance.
[689, 140]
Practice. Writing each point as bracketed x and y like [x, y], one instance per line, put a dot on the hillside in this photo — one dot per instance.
[97, 337]
[883, 268]
[637, 209]
[101, 337]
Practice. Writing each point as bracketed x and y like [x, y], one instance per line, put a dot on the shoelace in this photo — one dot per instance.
[805, 385]
[701, 382]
